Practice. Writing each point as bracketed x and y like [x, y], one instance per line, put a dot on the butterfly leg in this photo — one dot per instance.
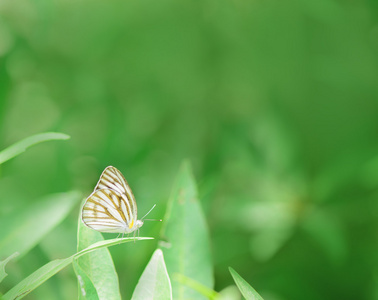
[121, 237]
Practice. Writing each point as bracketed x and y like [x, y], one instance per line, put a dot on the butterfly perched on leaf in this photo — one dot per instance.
[111, 207]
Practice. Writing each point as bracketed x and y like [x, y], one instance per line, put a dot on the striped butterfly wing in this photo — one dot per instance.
[105, 210]
[112, 178]
[111, 207]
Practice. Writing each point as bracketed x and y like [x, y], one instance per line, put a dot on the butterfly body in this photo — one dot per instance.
[111, 207]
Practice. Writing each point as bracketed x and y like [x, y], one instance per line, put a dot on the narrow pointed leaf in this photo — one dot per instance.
[98, 265]
[22, 230]
[186, 245]
[154, 284]
[3, 274]
[42, 274]
[36, 279]
[247, 291]
[22, 145]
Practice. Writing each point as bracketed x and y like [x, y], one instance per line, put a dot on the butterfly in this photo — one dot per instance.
[111, 207]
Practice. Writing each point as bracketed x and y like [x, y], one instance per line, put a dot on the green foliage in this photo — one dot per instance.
[41, 275]
[154, 283]
[97, 266]
[186, 244]
[3, 263]
[274, 103]
[23, 230]
[196, 286]
[86, 288]
[21, 146]
[247, 291]
[96, 274]
[229, 293]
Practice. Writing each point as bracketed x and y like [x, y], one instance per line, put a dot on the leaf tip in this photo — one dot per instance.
[62, 136]
[186, 166]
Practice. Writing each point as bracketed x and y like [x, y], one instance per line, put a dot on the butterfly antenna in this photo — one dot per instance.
[149, 211]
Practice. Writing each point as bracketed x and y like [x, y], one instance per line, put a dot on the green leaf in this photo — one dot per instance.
[3, 274]
[195, 285]
[42, 274]
[36, 279]
[186, 247]
[154, 283]
[247, 291]
[22, 145]
[229, 293]
[86, 289]
[98, 265]
[22, 231]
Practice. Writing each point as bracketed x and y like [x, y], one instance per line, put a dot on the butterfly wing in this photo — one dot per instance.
[112, 178]
[107, 210]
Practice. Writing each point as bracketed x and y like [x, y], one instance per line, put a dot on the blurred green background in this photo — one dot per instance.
[274, 103]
